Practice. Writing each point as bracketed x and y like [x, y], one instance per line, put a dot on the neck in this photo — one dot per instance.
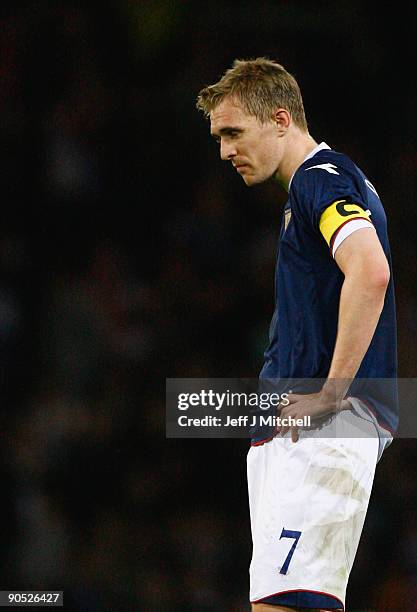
[298, 145]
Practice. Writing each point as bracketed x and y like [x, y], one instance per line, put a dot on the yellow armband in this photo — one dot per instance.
[336, 215]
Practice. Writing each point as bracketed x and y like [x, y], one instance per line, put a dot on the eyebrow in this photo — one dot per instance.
[225, 130]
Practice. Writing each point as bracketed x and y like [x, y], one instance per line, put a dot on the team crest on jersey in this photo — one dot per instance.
[287, 218]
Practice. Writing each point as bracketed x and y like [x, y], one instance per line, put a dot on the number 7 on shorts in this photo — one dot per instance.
[287, 533]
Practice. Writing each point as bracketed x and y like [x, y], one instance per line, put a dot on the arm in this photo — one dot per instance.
[364, 265]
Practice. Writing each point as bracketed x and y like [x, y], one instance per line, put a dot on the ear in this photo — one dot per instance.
[282, 119]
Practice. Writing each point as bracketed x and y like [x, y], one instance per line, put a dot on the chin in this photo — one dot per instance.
[251, 180]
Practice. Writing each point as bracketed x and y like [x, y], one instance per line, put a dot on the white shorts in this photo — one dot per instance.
[308, 502]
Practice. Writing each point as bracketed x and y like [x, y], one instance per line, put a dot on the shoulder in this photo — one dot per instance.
[326, 177]
[326, 180]
[327, 167]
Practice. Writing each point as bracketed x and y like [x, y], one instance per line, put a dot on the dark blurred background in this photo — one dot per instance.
[129, 253]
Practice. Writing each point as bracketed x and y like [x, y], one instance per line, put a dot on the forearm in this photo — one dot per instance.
[361, 303]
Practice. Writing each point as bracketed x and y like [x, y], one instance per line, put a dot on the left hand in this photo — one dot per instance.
[314, 405]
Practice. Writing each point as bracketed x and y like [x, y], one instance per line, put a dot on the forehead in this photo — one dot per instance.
[229, 113]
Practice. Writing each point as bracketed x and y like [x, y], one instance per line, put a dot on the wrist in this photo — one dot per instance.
[333, 393]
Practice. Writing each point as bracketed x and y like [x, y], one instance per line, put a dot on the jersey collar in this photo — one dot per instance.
[319, 147]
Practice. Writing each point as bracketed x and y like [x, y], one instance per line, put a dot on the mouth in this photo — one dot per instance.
[241, 167]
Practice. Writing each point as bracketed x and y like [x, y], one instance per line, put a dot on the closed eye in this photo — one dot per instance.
[233, 133]
[228, 133]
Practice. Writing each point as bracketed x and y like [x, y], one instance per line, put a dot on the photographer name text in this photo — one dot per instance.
[244, 421]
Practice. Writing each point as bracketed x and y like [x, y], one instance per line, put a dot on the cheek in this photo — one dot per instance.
[267, 158]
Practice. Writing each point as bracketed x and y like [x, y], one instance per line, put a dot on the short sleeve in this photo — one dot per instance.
[328, 196]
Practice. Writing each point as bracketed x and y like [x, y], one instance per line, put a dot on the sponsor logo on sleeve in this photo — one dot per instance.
[330, 168]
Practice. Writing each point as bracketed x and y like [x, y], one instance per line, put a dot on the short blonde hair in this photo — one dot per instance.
[260, 86]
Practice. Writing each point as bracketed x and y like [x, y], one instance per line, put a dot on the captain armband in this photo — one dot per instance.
[341, 219]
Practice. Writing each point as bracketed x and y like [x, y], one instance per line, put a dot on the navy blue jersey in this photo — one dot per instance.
[308, 283]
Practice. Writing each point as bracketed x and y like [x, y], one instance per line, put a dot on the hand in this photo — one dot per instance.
[313, 405]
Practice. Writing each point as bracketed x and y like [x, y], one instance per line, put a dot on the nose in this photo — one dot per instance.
[227, 150]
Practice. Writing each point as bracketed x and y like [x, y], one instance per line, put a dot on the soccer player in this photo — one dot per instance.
[334, 323]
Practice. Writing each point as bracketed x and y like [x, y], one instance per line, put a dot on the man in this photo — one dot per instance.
[334, 324]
